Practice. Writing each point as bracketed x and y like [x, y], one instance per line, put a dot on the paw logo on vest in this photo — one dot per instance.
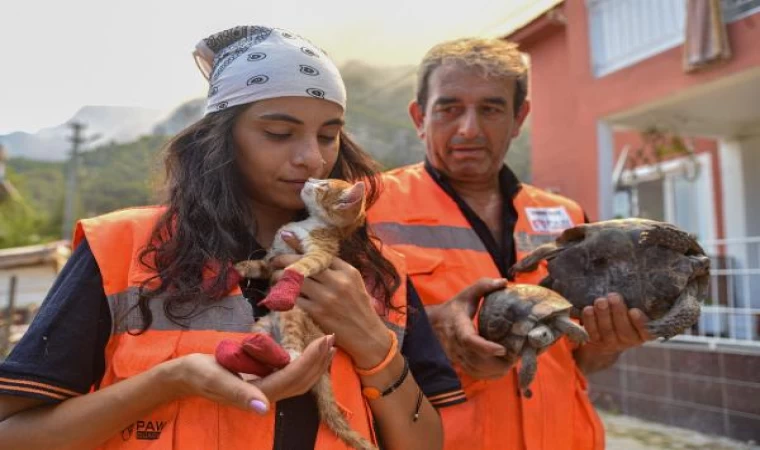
[126, 433]
[144, 430]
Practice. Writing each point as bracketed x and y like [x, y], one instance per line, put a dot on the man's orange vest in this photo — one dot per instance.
[116, 240]
[444, 255]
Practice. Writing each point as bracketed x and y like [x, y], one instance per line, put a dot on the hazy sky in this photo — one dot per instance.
[60, 55]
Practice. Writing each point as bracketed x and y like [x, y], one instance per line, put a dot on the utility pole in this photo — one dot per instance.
[71, 182]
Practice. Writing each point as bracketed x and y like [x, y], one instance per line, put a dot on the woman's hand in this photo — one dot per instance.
[200, 375]
[338, 301]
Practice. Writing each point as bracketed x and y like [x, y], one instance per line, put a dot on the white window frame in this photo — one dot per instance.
[666, 170]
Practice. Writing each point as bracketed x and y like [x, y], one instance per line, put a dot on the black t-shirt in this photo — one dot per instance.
[62, 355]
[503, 256]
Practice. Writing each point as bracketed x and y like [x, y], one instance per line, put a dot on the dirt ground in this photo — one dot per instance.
[629, 433]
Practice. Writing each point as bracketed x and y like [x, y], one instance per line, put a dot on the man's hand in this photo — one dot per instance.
[612, 329]
[452, 323]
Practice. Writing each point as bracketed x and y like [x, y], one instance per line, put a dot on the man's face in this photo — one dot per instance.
[468, 122]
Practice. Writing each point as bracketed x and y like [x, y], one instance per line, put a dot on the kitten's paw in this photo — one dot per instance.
[251, 269]
[263, 348]
[230, 355]
[282, 296]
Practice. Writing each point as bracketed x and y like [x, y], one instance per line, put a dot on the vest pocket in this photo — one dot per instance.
[423, 262]
[425, 267]
[132, 356]
[136, 354]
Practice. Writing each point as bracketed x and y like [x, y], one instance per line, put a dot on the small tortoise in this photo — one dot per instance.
[526, 319]
[655, 266]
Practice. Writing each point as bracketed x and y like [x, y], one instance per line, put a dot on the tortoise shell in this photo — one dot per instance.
[655, 266]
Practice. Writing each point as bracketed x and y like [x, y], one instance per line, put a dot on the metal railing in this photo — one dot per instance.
[731, 313]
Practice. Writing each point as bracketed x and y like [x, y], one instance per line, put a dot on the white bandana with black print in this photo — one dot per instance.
[250, 63]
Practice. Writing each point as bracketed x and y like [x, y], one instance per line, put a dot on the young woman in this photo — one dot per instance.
[121, 352]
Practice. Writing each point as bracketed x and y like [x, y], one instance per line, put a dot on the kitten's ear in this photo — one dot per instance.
[351, 196]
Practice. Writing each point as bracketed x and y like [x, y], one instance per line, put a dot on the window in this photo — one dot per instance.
[679, 191]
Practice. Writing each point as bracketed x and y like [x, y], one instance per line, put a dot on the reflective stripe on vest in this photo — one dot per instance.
[116, 240]
[444, 255]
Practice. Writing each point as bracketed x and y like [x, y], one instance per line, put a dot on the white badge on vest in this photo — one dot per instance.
[549, 220]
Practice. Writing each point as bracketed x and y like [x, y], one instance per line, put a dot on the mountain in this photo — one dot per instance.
[117, 174]
[108, 123]
[184, 115]
[377, 118]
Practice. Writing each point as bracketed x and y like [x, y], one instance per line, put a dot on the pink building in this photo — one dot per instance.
[603, 72]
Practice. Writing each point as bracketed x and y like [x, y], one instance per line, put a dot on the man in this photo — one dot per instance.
[462, 215]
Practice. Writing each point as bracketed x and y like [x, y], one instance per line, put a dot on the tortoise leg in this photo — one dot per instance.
[700, 265]
[528, 368]
[530, 262]
[575, 332]
[683, 314]
[523, 326]
[514, 344]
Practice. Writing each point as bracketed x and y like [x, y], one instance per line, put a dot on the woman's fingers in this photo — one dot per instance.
[200, 374]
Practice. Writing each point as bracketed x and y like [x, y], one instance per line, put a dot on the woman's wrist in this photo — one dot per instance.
[373, 349]
[172, 377]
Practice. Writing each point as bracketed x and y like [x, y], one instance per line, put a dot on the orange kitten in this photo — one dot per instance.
[336, 210]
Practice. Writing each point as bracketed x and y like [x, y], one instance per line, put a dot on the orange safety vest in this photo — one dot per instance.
[116, 240]
[444, 255]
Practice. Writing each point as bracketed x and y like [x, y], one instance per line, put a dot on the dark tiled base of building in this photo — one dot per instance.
[714, 392]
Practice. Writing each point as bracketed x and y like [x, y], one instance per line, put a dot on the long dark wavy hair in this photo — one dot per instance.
[208, 216]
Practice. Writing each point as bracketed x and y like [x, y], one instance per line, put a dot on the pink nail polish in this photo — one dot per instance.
[259, 406]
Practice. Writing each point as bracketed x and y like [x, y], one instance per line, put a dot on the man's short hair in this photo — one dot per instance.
[497, 58]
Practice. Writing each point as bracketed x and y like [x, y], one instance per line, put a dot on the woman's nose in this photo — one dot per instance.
[308, 154]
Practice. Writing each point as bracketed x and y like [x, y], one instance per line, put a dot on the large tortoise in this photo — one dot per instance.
[526, 319]
[655, 266]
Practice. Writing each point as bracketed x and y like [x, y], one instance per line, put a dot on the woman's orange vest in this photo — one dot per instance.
[116, 240]
[444, 255]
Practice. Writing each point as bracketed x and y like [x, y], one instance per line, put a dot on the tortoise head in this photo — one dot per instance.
[550, 250]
